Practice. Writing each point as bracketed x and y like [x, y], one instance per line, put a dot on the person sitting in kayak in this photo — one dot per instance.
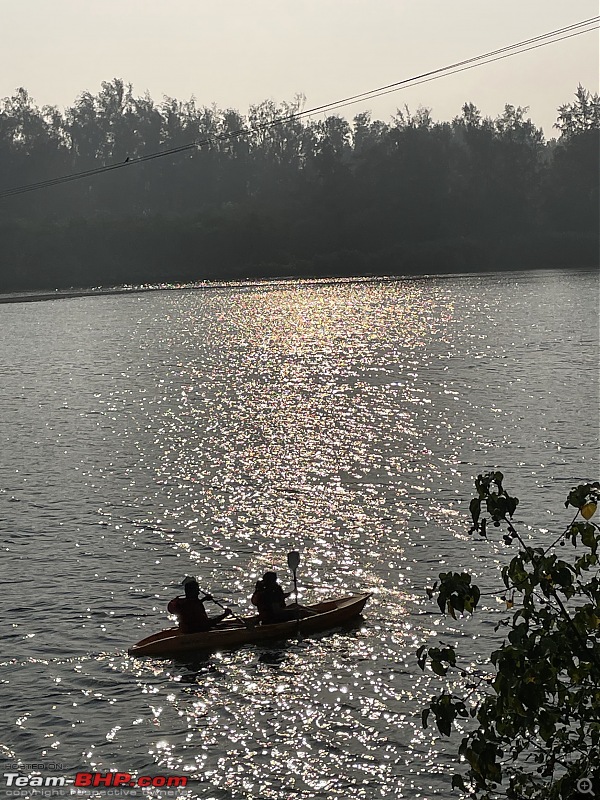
[190, 609]
[269, 598]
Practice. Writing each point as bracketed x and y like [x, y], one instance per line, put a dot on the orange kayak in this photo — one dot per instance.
[326, 615]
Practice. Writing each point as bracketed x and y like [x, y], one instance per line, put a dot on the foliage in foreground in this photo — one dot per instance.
[536, 733]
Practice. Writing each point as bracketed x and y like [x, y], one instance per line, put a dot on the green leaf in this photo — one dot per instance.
[475, 509]
[547, 724]
[438, 668]
[458, 782]
[588, 537]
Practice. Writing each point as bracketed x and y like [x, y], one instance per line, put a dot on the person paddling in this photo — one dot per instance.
[269, 598]
[190, 609]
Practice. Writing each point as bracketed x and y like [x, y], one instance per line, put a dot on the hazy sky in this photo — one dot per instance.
[240, 52]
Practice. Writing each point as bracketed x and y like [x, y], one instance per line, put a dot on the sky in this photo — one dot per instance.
[241, 52]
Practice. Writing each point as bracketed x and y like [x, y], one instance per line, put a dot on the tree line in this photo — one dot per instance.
[307, 197]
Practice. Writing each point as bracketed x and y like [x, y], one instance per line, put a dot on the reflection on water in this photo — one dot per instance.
[209, 433]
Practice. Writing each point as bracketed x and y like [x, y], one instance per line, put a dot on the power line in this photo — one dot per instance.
[533, 43]
[400, 84]
[417, 82]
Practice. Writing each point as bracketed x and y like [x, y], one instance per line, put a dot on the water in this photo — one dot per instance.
[209, 432]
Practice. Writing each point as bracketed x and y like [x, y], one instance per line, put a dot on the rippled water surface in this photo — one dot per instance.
[209, 432]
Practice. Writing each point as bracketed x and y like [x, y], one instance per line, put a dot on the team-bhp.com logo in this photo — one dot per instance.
[96, 780]
[125, 779]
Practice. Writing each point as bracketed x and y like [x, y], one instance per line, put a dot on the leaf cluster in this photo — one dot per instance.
[536, 726]
[583, 494]
[455, 593]
[498, 503]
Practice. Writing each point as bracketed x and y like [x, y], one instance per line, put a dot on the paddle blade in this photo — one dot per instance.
[293, 560]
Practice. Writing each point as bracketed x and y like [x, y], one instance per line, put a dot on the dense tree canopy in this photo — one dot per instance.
[320, 196]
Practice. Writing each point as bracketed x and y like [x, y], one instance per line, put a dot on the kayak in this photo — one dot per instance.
[326, 615]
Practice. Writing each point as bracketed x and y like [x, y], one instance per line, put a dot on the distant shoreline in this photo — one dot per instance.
[66, 294]
[133, 265]
[233, 283]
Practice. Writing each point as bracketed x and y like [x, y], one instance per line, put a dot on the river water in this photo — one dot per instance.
[208, 432]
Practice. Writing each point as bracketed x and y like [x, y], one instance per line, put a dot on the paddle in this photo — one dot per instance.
[246, 623]
[293, 560]
[208, 596]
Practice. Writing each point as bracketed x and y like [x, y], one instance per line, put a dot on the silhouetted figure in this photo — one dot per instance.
[190, 609]
[269, 598]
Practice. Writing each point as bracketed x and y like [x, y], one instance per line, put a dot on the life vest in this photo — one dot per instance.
[269, 599]
[191, 612]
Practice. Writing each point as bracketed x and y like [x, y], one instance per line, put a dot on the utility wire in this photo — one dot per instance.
[542, 40]
[417, 82]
